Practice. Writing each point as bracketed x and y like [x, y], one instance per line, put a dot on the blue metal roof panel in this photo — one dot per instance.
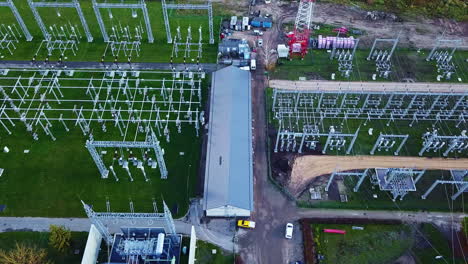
[229, 172]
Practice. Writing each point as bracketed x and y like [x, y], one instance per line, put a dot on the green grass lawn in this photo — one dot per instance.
[381, 244]
[204, 254]
[54, 176]
[375, 244]
[159, 51]
[406, 64]
[41, 240]
[439, 246]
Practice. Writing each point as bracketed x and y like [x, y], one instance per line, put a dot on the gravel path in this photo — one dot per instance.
[207, 67]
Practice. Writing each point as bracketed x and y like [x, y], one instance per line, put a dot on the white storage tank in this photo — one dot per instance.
[160, 244]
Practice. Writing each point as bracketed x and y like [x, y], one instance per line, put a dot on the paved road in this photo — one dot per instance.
[266, 243]
[207, 67]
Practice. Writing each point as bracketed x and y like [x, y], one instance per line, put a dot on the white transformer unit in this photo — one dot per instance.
[283, 51]
[245, 23]
[160, 244]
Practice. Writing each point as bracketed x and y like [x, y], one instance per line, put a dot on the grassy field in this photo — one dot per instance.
[54, 176]
[433, 243]
[375, 244]
[204, 253]
[406, 64]
[41, 240]
[380, 244]
[160, 51]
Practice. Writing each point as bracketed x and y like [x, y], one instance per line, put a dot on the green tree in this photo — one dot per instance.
[60, 238]
[23, 254]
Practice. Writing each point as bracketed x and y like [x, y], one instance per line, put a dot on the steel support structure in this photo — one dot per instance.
[399, 181]
[151, 143]
[345, 58]
[432, 141]
[208, 6]
[394, 43]
[383, 142]
[298, 107]
[19, 19]
[99, 219]
[132, 102]
[141, 5]
[463, 187]
[360, 175]
[73, 4]
[292, 141]
[452, 44]
[383, 57]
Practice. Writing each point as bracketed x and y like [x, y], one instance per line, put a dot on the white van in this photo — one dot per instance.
[289, 230]
[253, 64]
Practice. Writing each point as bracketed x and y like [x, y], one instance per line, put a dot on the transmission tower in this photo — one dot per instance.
[299, 40]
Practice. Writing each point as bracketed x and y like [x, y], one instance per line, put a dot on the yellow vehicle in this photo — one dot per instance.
[246, 224]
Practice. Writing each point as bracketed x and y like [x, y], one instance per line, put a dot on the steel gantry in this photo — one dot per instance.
[442, 53]
[140, 5]
[19, 19]
[387, 142]
[299, 112]
[73, 4]
[291, 141]
[459, 179]
[432, 141]
[151, 143]
[383, 56]
[296, 107]
[99, 219]
[207, 6]
[361, 175]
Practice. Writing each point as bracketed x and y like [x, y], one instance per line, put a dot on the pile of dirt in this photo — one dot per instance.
[281, 167]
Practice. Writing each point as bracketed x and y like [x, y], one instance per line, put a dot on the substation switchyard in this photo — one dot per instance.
[129, 110]
[408, 119]
[134, 123]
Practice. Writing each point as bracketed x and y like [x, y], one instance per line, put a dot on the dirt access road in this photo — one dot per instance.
[416, 32]
[306, 168]
[272, 210]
